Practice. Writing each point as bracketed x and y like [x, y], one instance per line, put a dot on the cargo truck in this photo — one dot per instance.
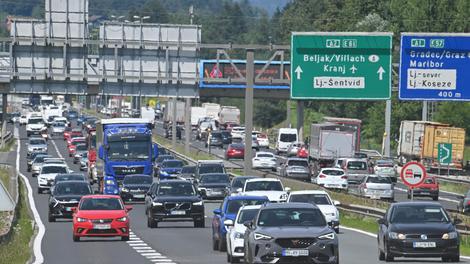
[419, 141]
[229, 114]
[168, 113]
[329, 141]
[125, 148]
[148, 113]
[348, 122]
[212, 110]
[197, 113]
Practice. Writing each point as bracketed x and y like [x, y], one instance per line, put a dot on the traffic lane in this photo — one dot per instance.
[446, 200]
[180, 241]
[58, 243]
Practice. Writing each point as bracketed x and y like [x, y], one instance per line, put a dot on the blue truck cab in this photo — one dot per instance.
[125, 147]
[229, 210]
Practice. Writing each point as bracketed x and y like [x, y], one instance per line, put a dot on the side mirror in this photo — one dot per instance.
[101, 152]
[217, 212]
[239, 190]
[228, 222]
[248, 224]
[287, 189]
[128, 208]
[457, 221]
[382, 221]
[336, 203]
[155, 151]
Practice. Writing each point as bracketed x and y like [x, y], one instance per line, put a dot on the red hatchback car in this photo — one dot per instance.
[73, 144]
[76, 132]
[235, 151]
[101, 216]
[429, 188]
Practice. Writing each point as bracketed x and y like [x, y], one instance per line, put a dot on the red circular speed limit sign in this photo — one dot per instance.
[413, 174]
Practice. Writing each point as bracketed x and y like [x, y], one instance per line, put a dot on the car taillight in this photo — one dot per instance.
[344, 177]
[468, 202]
[322, 176]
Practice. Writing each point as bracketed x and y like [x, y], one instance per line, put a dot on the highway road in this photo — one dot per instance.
[170, 243]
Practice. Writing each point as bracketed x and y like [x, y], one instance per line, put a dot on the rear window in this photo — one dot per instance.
[379, 180]
[333, 172]
[302, 163]
[265, 155]
[211, 168]
[429, 181]
[357, 165]
[288, 138]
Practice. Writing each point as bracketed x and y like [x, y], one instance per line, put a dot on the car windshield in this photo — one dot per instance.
[247, 215]
[53, 169]
[263, 186]
[129, 150]
[384, 163]
[85, 155]
[72, 188]
[321, 199]
[76, 142]
[291, 217]
[70, 177]
[267, 155]
[216, 135]
[288, 138]
[237, 146]
[101, 204]
[37, 141]
[418, 214]
[81, 147]
[211, 168]
[357, 165]
[35, 121]
[58, 124]
[138, 180]
[333, 172]
[188, 170]
[385, 180]
[40, 159]
[172, 164]
[225, 133]
[176, 189]
[429, 181]
[234, 205]
[301, 163]
[216, 178]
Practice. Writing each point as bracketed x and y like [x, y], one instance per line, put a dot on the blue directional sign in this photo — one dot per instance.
[435, 66]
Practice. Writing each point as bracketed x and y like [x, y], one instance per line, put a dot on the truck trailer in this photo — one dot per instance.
[168, 113]
[329, 141]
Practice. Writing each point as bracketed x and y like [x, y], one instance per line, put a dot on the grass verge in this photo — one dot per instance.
[365, 223]
[5, 178]
[8, 146]
[199, 155]
[460, 188]
[16, 250]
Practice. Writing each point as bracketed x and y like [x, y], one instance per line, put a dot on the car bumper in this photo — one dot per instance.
[379, 195]
[132, 196]
[342, 186]
[62, 210]
[318, 252]
[405, 248]
[161, 214]
[263, 165]
[87, 229]
[236, 247]
[423, 193]
[298, 175]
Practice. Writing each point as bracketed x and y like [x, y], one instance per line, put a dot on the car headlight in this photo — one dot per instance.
[122, 219]
[198, 203]
[124, 190]
[394, 235]
[164, 173]
[450, 235]
[79, 219]
[109, 182]
[259, 236]
[238, 235]
[157, 204]
[329, 236]
[283, 196]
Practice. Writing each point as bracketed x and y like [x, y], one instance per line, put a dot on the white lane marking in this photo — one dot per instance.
[146, 251]
[57, 149]
[440, 198]
[38, 257]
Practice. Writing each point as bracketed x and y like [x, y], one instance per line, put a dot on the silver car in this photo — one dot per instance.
[37, 163]
[295, 168]
[36, 144]
[377, 187]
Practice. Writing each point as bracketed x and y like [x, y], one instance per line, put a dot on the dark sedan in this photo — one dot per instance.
[290, 233]
[238, 183]
[188, 172]
[418, 229]
[214, 185]
[226, 137]
[465, 203]
[134, 187]
[216, 140]
[235, 151]
[65, 196]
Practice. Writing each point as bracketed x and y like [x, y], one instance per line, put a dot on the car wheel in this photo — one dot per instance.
[274, 169]
[234, 260]
[381, 255]
[215, 243]
[125, 238]
[435, 198]
[229, 258]
[409, 196]
[455, 258]
[337, 230]
[29, 169]
[222, 245]
[388, 256]
[76, 238]
[151, 223]
[39, 190]
[199, 223]
[50, 217]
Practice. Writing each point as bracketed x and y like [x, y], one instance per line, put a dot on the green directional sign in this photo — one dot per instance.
[444, 153]
[341, 66]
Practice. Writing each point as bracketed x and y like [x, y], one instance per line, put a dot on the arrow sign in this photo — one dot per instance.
[381, 72]
[353, 69]
[298, 70]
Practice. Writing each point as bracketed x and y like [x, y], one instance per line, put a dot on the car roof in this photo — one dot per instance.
[300, 159]
[250, 207]
[416, 203]
[264, 152]
[211, 174]
[332, 168]
[70, 174]
[97, 196]
[289, 205]
[263, 179]
[73, 182]
[308, 192]
[175, 180]
[54, 165]
[246, 197]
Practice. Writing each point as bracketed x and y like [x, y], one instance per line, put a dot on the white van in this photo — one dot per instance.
[285, 137]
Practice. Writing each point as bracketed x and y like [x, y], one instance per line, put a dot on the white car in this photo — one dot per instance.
[57, 128]
[23, 120]
[264, 160]
[323, 201]
[235, 241]
[263, 140]
[48, 173]
[61, 120]
[269, 187]
[238, 132]
[332, 178]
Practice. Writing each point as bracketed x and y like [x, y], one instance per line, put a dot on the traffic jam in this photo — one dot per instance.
[259, 220]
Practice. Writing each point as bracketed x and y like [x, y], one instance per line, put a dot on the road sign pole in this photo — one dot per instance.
[187, 126]
[412, 193]
[424, 113]
[388, 117]
[250, 71]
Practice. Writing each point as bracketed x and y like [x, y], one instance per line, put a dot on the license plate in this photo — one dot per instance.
[178, 212]
[424, 244]
[139, 196]
[294, 252]
[102, 226]
[332, 185]
[68, 209]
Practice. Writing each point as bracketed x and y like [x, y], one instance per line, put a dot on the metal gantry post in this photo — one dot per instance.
[424, 114]
[173, 124]
[187, 125]
[300, 119]
[250, 71]
[388, 118]
[4, 118]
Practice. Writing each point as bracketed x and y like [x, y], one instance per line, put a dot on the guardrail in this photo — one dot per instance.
[13, 191]
[8, 136]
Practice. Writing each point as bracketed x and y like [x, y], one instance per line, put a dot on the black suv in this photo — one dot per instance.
[210, 166]
[65, 196]
[174, 200]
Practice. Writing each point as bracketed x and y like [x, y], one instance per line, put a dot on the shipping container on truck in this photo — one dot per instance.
[419, 141]
[329, 141]
[229, 114]
[349, 122]
[212, 110]
[168, 113]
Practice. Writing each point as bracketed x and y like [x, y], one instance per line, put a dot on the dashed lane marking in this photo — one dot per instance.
[147, 251]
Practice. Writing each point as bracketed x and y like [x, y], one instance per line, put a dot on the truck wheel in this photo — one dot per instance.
[435, 198]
